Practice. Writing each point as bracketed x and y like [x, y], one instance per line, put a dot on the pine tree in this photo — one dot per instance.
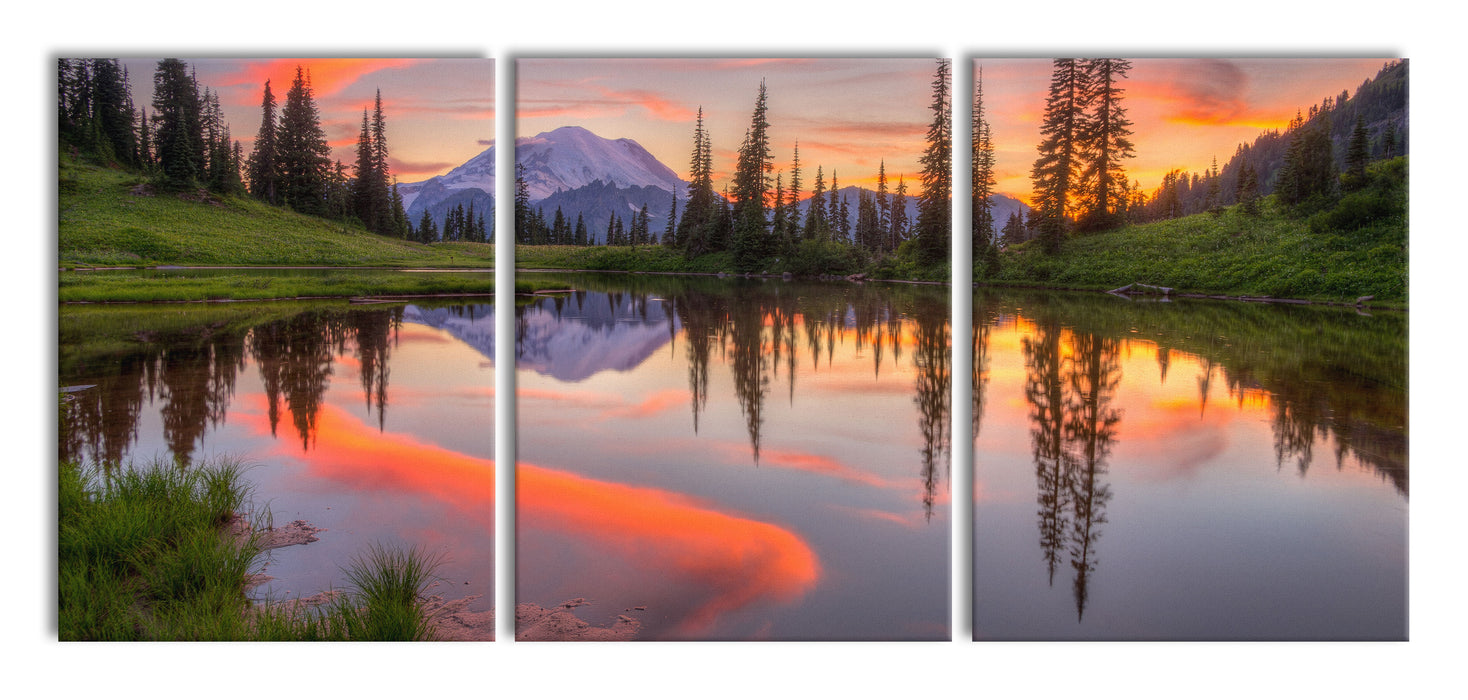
[176, 124]
[1014, 229]
[427, 231]
[751, 188]
[778, 232]
[1357, 155]
[1057, 170]
[1104, 138]
[303, 155]
[264, 177]
[1309, 167]
[523, 234]
[899, 232]
[884, 208]
[793, 226]
[833, 208]
[816, 227]
[145, 145]
[985, 255]
[935, 214]
[1389, 141]
[112, 115]
[696, 229]
[580, 237]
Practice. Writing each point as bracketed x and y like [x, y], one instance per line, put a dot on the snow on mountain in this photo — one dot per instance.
[476, 173]
[571, 157]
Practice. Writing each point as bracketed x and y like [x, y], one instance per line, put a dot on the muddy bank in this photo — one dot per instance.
[451, 619]
[534, 623]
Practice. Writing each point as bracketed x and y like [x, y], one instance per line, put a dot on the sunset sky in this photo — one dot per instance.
[1183, 111]
[440, 112]
[847, 114]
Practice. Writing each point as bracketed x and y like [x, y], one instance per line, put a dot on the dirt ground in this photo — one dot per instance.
[452, 619]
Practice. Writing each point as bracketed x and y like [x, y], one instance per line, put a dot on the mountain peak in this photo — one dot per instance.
[570, 157]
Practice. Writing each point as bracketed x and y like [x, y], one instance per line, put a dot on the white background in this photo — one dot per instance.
[1428, 666]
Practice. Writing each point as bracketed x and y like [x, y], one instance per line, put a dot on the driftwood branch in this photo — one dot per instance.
[1165, 291]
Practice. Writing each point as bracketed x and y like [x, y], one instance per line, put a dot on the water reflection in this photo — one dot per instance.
[301, 392]
[1312, 376]
[738, 457]
[753, 329]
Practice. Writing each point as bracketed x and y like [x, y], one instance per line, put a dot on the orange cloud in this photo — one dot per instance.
[328, 75]
[732, 561]
[867, 130]
[407, 170]
[659, 106]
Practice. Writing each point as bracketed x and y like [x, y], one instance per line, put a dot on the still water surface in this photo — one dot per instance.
[736, 459]
[1188, 470]
[375, 422]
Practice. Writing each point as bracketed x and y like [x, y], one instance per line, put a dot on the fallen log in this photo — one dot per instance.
[1165, 291]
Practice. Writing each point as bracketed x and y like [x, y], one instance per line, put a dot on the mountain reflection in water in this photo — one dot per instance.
[802, 429]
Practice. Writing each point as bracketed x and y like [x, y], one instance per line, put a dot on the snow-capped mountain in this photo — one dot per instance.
[470, 183]
[571, 157]
[476, 173]
[570, 168]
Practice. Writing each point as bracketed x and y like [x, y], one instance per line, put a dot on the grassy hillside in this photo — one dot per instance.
[110, 217]
[1355, 248]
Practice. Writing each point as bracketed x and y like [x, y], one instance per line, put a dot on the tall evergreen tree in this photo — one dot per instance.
[793, 226]
[302, 152]
[427, 229]
[883, 206]
[523, 234]
[264, 167]
[113, 116]
[1104, 137]
[833, 207]
[985, 255]
[1309, 168]
[1057, 170]
[696, 228]
[935, 215]
[899, 232]
[816, 226]
[176, 124]
[751, 187]
[1358, 152]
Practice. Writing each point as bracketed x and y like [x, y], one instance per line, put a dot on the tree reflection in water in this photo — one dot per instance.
[754, 328]
[191, 366]
[1325, 374]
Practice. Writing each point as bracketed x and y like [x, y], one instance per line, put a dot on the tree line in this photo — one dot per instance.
[1080, 186]
[185, 145]
[757, 218]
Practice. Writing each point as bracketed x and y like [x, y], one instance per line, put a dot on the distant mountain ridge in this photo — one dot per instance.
[572, 157]
[584, 174]
[569, 167]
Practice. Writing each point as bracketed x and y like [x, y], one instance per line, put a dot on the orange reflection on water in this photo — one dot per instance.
[734, 561]
[348, 450]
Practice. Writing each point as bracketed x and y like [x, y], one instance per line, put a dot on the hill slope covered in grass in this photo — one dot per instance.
[1356, 247]
[112, 217]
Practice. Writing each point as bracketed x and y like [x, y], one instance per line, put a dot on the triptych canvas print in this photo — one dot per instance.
[742, 387]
